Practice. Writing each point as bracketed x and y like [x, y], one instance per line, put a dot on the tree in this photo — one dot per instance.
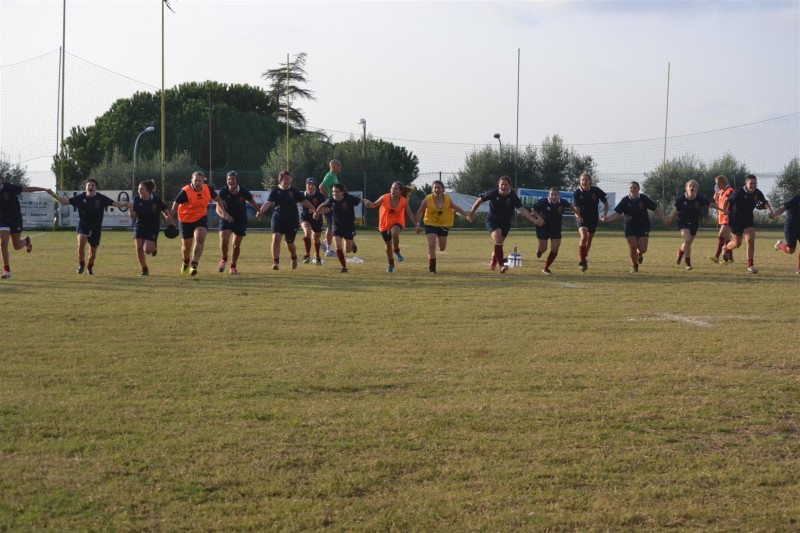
[13, 172]
[288, 78]
[550, 165]
[668, 180]
[116, 172]
[309, 156]
[241, 127]
[788, 183]
[727, 166]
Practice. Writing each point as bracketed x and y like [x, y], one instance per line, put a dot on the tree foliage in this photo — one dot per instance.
[116, 173]
[788, 183]
[668, 180]
[286, 87]
[550, 165]
[239, 126]
[13, 172]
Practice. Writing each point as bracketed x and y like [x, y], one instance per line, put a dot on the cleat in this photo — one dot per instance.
[155, 252]
[6, 275]
[713, 258]
[294, 263]
[355, 247]
[777, 245]
[688, 267]
[504, 268]
[28, 245]
[584, 265]
[330, 253]
[640, 259]
[546, 272]
[306, 260]
[398, 256]
[221, 265]
[538, 254]
[184, 268]
[390, 269]
[80, 270]
[234, 271]
[725, 257]
[318, 261]
[634, 269]
[193, 271]
[275, 266]
[343, 270]
[144, 273]
[89, 271]
[752, 270]
[433, 272]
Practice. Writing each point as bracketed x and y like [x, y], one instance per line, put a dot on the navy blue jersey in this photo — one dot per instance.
[501, 208]
[284, 204]
[343, 211]
[689, 211]
[236, 203]
[91, 209]
[9, 201]
[741, 206]
[552, 213]
[316, 200]
[635, 211]
[587, 201]
[792, 212]
[148, 211]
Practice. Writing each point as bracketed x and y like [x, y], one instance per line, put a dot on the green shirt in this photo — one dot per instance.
[328, 182]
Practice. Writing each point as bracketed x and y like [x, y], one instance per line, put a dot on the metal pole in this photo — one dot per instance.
[516, 150]
[163, 107]
[364, 134]
[148, 129]
[63, 77]
[287, 112]
[664, 160]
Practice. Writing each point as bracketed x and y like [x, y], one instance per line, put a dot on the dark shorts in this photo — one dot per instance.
[147, 233]
[738, 226]
[14, 224]
[92, 235]
[287, 229]
[187, 228]
[316, 224]
[691, 226]
[345, 231]
[637, 231]
[590, 223]
[437, 230]
[387, 235]
[504, 227]
[545, 233]
[329, 219]
[791, 232]
[237, 227]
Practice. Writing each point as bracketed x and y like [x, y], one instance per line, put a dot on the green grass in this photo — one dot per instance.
[310, 399]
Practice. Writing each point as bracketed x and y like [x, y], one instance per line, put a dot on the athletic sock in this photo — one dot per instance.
[688, 261]
[749, 262]
[782, 246]
[6, 268]
[720, 243]
[316, 249]
[194, 264]
[340, 255]
[550, 258]
[307, 243]
[730, 252]
[391, 262]
[432, 265]
[498, 254]
[81, 264]
[397, 250]
[582, 253]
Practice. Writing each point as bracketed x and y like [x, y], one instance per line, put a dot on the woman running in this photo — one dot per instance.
[11, 220]
[392, 219]
[436, 211]
[723, 190]
[146, 208]
[341, 206]
[311, 224]
[586, 198]
[688, 208]
[551, 209]
[791, 227]
[740, 205]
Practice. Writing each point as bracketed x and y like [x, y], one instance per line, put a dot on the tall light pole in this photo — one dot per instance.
[497, 136]
[148, 129]
[363, 123]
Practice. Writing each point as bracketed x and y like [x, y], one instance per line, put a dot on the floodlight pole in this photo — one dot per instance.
[497, 136]
[148, 129]
[363, 123]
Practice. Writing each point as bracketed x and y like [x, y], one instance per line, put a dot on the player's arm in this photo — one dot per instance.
[778, 212]
[373, 205]
[421, 214]
[475, 206]
[605, 207]
[533, 216]
[263, 209]
[411, 215]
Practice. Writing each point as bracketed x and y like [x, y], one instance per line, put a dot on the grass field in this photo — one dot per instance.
[366, 401]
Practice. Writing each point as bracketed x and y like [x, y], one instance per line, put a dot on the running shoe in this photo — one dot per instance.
[725, 258]
[155, 252]
[398, 256]
[318, 261]
[192, 271]
[390, 269]
[330, 253]
[504, 268]
[221, 265]
[355, 247]
[184, 268]
[306, 260]
[80, 270]
[144, 273]
[777, 245]
[640, 259]
[634, 269]
[6, 275]
[688, 267]
[234, 271]
[294, 263]
[713, 258]
[752, 270]
[89, 271]
[275, 266]
[28, 245]
[343, 270]
[546, 272]
[584, 265]
[538, 254]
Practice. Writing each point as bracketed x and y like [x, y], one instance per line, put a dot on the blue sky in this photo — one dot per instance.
[447, 71]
